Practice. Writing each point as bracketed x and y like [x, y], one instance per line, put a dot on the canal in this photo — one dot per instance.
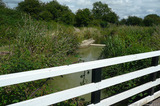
[73, 80]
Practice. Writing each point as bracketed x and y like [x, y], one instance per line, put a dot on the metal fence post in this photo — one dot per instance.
[154, 75]
[96, 77]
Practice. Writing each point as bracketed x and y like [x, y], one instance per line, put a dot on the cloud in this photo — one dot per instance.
[123, 8]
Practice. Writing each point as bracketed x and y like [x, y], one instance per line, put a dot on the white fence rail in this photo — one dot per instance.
[16, 78]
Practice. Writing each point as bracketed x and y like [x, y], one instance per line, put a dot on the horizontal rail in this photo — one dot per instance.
[124, 95]
[85, 89]
[22, 77]
[146, 99]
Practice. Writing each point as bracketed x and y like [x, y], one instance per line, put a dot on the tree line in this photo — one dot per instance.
[99, 15]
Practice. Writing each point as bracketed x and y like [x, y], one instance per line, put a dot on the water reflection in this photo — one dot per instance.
[73, 80]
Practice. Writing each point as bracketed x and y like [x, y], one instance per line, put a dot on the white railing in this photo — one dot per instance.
[16, 78]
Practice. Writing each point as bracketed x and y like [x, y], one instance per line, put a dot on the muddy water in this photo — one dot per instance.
[73, 80]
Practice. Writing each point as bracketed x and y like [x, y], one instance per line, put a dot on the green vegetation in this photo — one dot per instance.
[31, 45]
[34, 48]
[8, 29]
[151, 20]
[49, 11]
[2, 5]
[38, 35]
[104, 13]
[83, 17]
[124, 40]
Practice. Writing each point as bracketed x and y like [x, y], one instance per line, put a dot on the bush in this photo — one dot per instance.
[8, 29]
[126, 41]
[34, 49]
[83, 17]
[151, 19]
[2, 4]
[32, 7]
[133, 20]
[103, 24]
[46, 15]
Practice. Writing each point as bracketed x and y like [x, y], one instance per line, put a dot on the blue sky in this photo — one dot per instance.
[123, 8]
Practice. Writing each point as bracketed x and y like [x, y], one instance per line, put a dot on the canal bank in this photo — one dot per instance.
[60, 83]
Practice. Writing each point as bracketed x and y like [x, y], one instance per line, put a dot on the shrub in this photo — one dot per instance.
[133, 20]
[46, 15]
[83, 17]
[32, 7]
[34, 49]
[151, 19]
[8, 30]
[126, 41]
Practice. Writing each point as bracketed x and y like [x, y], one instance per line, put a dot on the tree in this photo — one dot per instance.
[68, 18]
[123, 22]
[46, 15]
[2, 4]
[104, 14]
[100, 9]
[32, 7]
[53, 7]
[151, 19]
[110, 17]
[60, 12]
[83, 17]
[133, 20]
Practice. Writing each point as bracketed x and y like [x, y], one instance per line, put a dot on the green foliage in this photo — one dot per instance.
[46, 15]
[94, 23]
[32, 7]
[67, 18]
[126, 40]
[110, 17]
[60, 12]
[151, 19]
[2, 4]
[104, 14]
[133, 20]
[100, 9]
[34, 49]
[123, 21]
[54, 8]
[73, 102]
[35, 46]
[103, 24]
[8, 30]
[49, 11]
[156, 38]
[83, 17]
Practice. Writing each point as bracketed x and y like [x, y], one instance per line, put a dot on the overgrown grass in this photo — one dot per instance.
[35, 47]
[4, 48]
[8, 30]
[38, 44]
[126, 40]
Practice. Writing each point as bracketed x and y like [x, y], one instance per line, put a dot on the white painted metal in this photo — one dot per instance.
[119, 97]
[126, 77]
[146, 99]
[22, 77]
[78, 91]
[58, 97]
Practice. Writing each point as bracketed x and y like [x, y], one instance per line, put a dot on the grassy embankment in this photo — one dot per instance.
[37, 44]
[32, 45]
[126, 40]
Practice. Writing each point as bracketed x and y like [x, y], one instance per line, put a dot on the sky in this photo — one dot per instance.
[123, 8]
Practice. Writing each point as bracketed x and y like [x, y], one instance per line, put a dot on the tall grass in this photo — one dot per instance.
[35, 48]
[126, 40]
